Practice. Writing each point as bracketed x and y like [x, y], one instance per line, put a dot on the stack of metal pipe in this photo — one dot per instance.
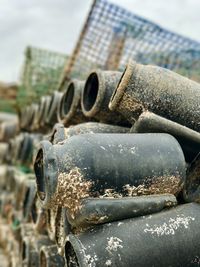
[105, 172]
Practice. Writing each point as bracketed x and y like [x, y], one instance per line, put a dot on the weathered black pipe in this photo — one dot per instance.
[29, 197]
[33, 126]
[51, 118]
[60, 133]
[47, 102]
[20, 179]
[189, 139]
[28, 144]
[49, 257]
[62, 229]
[8, 130]
[191, 190]
[69, 111]
[103, 210]
[168, 238]
[96, 95]
[30, 249]
[26, 151]
[40, 112]
[88, 165]
[159, 90]
[30, 115]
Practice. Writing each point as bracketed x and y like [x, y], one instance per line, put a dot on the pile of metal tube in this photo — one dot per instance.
[104, 173]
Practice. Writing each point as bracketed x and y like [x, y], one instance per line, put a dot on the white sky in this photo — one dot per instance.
[55, 24]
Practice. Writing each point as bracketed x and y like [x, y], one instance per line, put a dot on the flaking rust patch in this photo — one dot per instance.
[71, 189]
[158, 185]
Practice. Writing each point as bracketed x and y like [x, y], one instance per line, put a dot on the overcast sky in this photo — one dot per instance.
[55, 24]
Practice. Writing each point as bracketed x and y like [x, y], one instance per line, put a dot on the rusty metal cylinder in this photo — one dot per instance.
[40, 112]
[189, 139]
[49, 257]
[88, 165]
[28, 117]
[69, 110]
[33, 126]
[30, 249]
[166, 93]
[96, 95]
[168, 238]
[45, 111]
[96, 211]
[51, 118]
[61, 133]
[8, 130]
[29, 193]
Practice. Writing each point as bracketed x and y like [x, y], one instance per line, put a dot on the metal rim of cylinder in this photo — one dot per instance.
[40, 111]
[47, 100]
[119, 90]
[92, 93]
[40, 165]
[53, 105]
[70, 101]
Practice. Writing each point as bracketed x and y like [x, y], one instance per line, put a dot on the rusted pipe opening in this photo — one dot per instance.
[43, 260]
[39, 172]
[91, 90]
[70, 256]
[68, 99]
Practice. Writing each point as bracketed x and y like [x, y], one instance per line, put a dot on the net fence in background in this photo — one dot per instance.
[112, 35]
[41, 73]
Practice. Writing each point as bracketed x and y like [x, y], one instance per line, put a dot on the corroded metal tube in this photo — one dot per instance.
[91, 164]
[69, 109]
[95, 211]
[166, 93]
[96, 95]
[189, 139]
[160, 240]
[60, 133]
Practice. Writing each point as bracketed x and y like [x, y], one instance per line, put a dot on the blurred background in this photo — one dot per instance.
[55, 25]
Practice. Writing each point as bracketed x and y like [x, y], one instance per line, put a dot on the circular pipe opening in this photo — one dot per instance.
[68, 99]
[90, 92]
[39, 173]
[43, 259]
[70, 256]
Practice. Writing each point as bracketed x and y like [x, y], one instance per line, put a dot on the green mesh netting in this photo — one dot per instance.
[40, 74]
